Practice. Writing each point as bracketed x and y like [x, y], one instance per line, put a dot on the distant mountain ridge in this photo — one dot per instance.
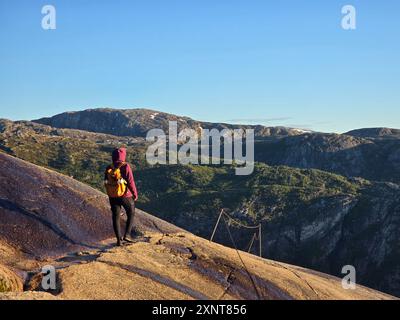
[371, 153]
[375, 133]
[137, 122]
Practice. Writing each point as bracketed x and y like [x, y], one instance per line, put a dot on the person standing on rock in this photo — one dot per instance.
[121, 190]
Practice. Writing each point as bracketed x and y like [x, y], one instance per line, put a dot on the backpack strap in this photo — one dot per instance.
[119, 167]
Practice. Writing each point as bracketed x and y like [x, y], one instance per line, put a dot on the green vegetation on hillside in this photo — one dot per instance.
[191, 196]
[184, 195]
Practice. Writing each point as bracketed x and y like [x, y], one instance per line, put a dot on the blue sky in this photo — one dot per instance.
[284, 62]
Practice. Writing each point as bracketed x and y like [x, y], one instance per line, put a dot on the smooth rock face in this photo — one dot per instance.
[183, 266]
[28, 295]
[48, 213]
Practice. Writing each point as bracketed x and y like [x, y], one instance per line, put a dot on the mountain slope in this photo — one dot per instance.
[76, 153]
[351, 156]
[52, 215]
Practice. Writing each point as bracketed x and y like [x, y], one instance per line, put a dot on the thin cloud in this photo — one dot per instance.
[308, 126]
[270, 121]
[260, 120]
[300, 126]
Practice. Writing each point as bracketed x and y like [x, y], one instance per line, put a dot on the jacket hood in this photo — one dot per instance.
[119, 155]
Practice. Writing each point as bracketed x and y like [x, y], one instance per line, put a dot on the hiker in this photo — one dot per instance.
[121, 190]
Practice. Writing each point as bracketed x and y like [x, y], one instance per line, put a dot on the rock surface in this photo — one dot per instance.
[183, 266]
[9, 280]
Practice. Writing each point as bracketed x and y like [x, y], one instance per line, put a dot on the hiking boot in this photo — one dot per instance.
[128, 239]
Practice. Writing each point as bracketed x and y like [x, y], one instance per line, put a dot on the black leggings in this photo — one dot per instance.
[129, 207]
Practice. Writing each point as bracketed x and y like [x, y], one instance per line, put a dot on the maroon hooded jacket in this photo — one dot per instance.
[119, 156]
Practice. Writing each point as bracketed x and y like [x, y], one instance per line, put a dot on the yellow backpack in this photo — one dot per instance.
[114, 183]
